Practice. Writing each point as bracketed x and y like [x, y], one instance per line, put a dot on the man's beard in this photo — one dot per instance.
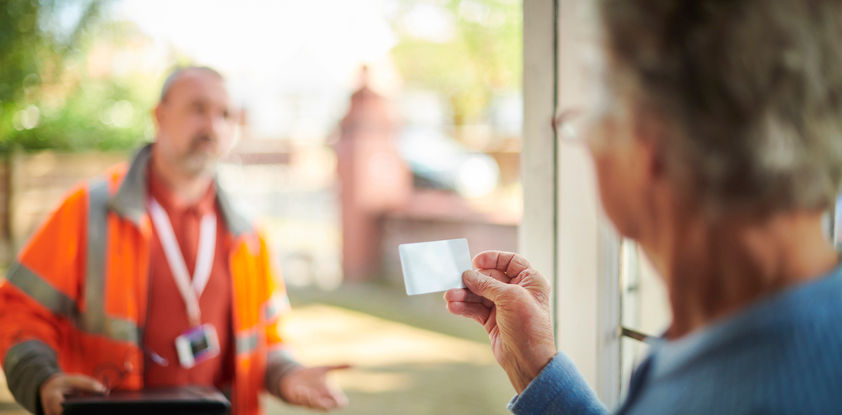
[202, 156]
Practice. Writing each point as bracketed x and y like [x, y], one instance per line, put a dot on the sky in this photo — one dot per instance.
[292, 64]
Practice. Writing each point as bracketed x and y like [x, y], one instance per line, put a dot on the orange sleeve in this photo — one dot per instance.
[42, 286]
[39, 295]
[280, 360]
[275, 303]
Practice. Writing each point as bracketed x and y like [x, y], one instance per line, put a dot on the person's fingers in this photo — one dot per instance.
[331, 399]
[311, 388]
[508, 262]
[474, 311]
[336, 397]
[341, 366]
[302, 396]
[340, 398]
[496, 274]
[83, 383]
[484, 285]
[306, 398]
[47, 393]
[326, 403]
[325, 398]
[55, 388]
[517, 265]
[52, 404]
[487, 259]
[463, 295]
[57, 408]
[323, 404]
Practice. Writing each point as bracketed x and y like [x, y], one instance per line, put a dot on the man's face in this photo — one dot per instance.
[195, 123]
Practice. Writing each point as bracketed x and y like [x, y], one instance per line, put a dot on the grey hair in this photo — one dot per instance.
[750, 92]
[181, 70]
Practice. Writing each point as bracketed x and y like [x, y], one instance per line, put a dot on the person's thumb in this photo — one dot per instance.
[84, 383]
[484, 285]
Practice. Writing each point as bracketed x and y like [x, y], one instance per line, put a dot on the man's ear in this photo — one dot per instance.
[158, 113]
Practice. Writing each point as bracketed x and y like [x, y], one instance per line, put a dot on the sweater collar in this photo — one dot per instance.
[772, 315]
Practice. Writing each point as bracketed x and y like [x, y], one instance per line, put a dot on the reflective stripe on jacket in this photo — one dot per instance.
[80, 285]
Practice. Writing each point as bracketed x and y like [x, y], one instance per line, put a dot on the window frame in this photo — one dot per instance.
[563, 232]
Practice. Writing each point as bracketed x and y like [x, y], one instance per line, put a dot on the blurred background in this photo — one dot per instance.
[363, 124]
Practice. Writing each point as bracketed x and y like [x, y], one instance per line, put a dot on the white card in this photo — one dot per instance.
[434, 266]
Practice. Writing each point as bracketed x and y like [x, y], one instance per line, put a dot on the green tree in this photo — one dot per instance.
[48, 98]
[35, 38]
[481, 56]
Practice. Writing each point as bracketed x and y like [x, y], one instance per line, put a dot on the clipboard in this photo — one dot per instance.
[158, 401]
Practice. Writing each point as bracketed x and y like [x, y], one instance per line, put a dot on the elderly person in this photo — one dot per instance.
[720, 153]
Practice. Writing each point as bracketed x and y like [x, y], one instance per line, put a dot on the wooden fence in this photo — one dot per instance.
[32, 185]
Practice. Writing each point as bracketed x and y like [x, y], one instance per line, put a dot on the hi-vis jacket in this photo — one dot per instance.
[75, 299]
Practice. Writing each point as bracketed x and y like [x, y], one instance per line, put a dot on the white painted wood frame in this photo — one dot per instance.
[563, 232]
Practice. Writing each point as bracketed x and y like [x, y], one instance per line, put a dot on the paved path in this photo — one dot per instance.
[399, 369]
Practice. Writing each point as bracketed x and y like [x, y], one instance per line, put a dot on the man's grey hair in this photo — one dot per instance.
[181, 70]
[750, 92]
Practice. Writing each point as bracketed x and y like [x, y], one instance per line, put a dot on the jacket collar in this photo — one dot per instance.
[130, 199]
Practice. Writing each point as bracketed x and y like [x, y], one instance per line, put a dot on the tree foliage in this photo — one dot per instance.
[48, 96]
[480, 57]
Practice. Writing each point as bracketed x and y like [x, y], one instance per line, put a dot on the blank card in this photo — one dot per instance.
[434, 266]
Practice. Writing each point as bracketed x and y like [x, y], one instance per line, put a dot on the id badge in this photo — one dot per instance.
[197, 345]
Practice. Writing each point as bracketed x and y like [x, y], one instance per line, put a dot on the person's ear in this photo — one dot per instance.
[650, 131]
[158, 113]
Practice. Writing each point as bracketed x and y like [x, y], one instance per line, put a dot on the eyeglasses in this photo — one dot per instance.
[578, 126]
[562, 126]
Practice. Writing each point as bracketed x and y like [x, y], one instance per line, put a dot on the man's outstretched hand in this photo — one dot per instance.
[511, 300]
[310, 387]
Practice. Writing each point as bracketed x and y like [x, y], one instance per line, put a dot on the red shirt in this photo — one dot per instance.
[167, 314]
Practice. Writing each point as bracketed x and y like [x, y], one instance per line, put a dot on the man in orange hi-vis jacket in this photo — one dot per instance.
[148, 277]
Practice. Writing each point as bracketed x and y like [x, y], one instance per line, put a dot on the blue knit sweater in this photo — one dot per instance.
[782, 355]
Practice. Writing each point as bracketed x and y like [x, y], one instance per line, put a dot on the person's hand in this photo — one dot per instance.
[57, 387]
[511, 300]
[309, 386]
